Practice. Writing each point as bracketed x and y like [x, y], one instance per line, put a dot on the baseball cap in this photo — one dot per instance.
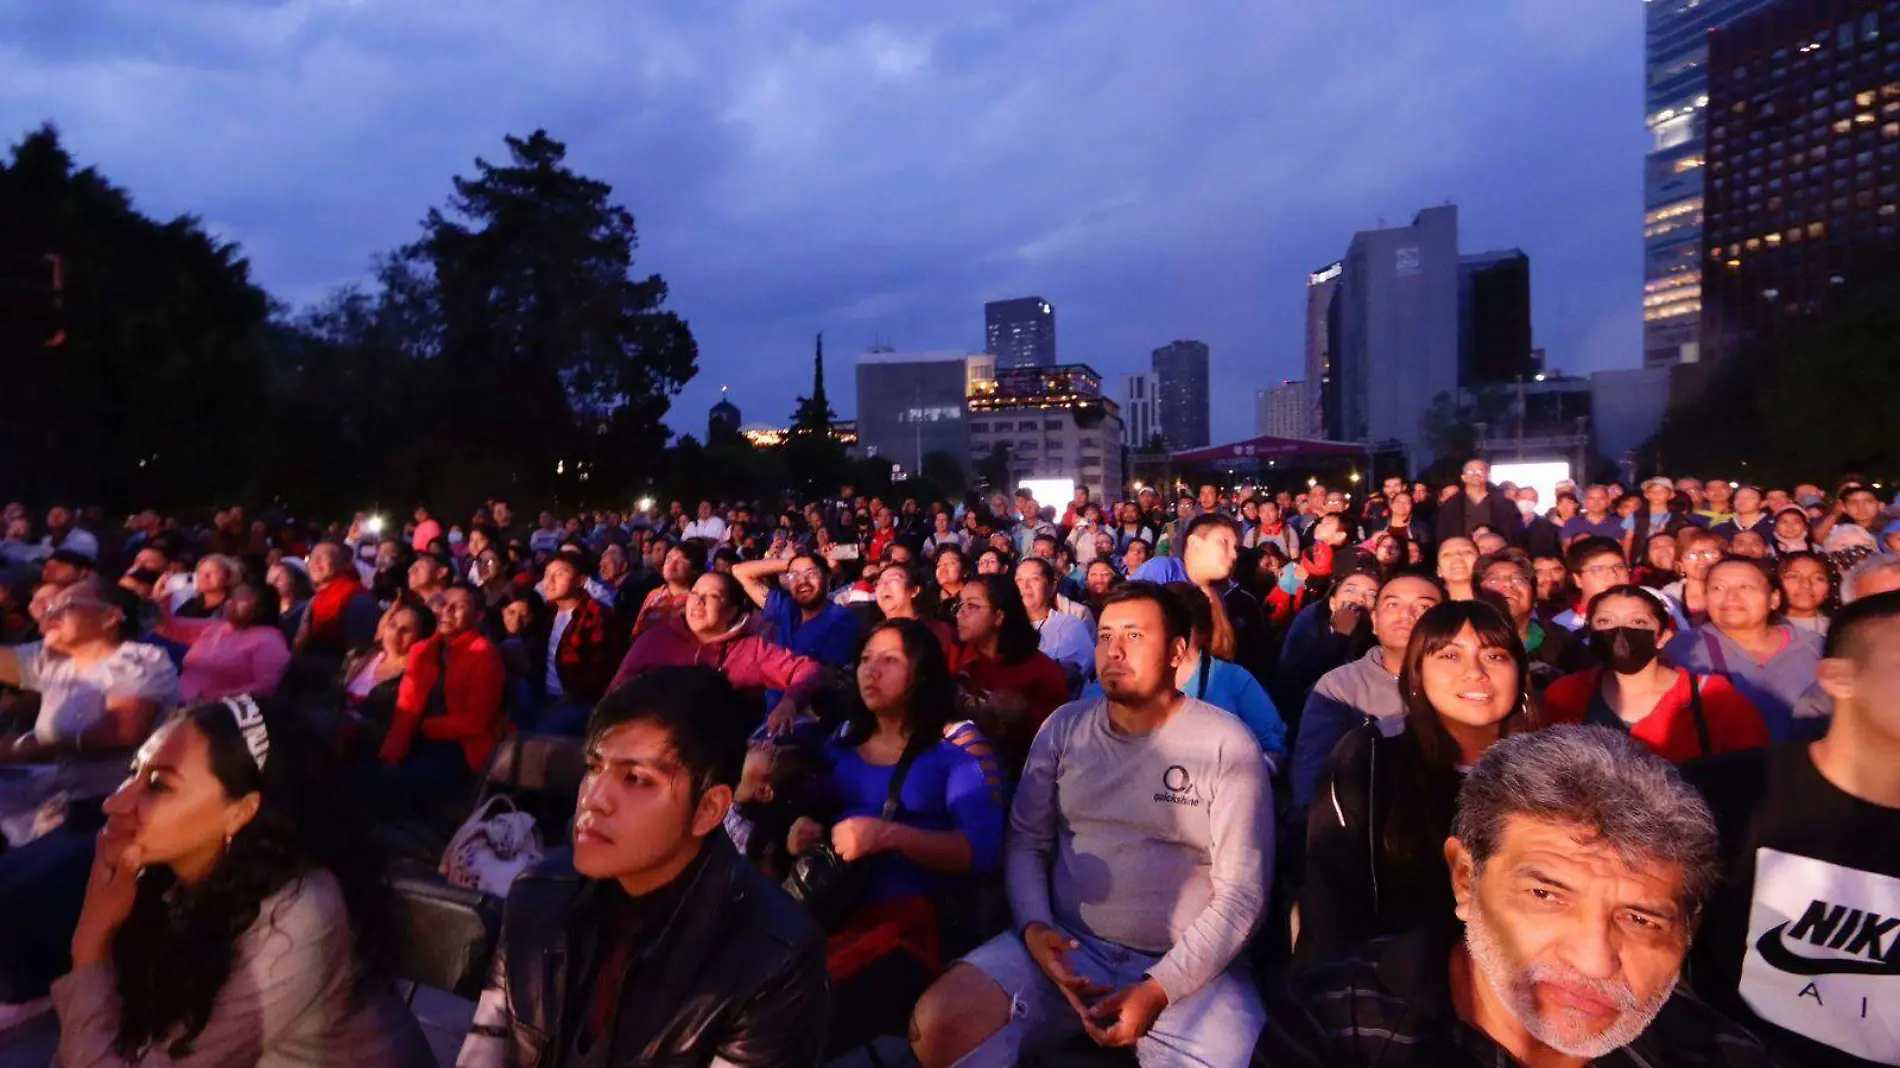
[1658, 480]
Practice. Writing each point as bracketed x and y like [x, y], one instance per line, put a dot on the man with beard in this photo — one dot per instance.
[1580, 863]
[1139, 845]
[799, 615]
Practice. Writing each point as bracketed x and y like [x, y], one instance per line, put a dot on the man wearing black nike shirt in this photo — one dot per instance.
[1803, 940]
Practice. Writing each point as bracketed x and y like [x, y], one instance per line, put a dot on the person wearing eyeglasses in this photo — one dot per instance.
[798, 614]
[1690, 590]
[715, 631]
[1002, 668]
[1511, 578]
[1595, 564]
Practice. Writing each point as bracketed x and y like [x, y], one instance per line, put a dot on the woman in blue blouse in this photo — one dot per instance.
[948, 823]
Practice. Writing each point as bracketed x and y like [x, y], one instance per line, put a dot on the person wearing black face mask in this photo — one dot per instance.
[1680, 715]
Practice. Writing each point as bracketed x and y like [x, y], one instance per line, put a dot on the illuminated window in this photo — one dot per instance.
[1865, 99]
[1774, 240]
[1817, 229]
[1843, 126]
[1754, 244]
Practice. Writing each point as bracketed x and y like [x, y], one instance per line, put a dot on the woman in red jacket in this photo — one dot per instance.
[1012, 685]
[448, 711]
[1678, 714]
[713, 632]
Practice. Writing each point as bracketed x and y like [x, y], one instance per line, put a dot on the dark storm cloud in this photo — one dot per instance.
[1158, 170]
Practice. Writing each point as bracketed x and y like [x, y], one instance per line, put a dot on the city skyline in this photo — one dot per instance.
[793, 171]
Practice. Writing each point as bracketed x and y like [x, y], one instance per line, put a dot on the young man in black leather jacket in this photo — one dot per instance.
[658, 943]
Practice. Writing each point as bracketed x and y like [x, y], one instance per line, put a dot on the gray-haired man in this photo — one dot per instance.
[1580, 863]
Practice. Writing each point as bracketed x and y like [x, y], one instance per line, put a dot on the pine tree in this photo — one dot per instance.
[813, 415]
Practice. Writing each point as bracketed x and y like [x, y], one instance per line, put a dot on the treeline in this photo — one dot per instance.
[511, 348]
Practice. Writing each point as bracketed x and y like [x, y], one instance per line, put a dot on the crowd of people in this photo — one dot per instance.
[1436, 776]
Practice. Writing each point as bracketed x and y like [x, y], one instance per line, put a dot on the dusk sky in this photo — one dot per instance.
[1157, 170]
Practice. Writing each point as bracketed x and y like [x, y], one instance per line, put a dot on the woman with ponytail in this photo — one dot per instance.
[232, 915]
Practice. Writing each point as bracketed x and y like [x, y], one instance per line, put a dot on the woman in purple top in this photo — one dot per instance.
[948, 823]
[1771, 663]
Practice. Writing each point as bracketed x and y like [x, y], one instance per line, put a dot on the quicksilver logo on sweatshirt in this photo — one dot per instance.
[1178, 788]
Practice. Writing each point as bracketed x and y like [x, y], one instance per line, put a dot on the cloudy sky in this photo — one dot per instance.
[1157, 169]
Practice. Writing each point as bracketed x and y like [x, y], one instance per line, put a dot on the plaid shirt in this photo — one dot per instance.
[1390, 1006]
[590, 650]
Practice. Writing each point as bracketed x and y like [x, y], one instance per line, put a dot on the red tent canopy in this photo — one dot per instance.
[1267, 447]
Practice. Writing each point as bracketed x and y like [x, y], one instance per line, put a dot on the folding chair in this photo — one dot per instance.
[447, 935]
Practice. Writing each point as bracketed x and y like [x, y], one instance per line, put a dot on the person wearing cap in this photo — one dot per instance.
[1855, 505]
[1790, 532]
[1657, 516]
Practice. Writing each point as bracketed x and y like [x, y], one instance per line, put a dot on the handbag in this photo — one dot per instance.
[491, 848]
[828, 885]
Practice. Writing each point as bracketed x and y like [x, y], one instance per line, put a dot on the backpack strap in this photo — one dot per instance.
[1717, 659]
[1695, 710]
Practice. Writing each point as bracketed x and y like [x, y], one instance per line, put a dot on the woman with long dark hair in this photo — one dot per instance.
[948, 822]
[233, 915]
[1377, 826]
[1013, 686]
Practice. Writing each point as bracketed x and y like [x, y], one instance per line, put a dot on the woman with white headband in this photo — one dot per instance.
[231, 915]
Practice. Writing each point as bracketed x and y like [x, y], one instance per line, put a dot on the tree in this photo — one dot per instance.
[994, 469]
[162, 379]
[553, 354]
[945, 472]
[1820, 401]
[815, 458]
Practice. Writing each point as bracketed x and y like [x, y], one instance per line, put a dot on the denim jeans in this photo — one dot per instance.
[1214, 1027]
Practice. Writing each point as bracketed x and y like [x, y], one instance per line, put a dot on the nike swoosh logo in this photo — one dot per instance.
[1779, 956]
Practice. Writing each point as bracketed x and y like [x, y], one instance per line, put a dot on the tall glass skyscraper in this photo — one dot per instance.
[1678, 95]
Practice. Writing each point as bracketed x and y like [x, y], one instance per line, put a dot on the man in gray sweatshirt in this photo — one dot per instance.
[1140, 844]
[1368, 687]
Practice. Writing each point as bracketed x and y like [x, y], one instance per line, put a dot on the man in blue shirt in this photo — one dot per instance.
[798, 614]
[1595, 520]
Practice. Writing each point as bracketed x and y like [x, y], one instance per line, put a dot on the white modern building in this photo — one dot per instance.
[1141, 409]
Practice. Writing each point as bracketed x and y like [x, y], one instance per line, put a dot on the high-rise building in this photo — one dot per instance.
[1394, 344]
[1320, 287]
[1803, 166]
[1494, 318]
[1180, 370]
[911, 405]
[1676, 103]
[1284, 411]
[1052, 422]
[1141, 409]
[1020, 332]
